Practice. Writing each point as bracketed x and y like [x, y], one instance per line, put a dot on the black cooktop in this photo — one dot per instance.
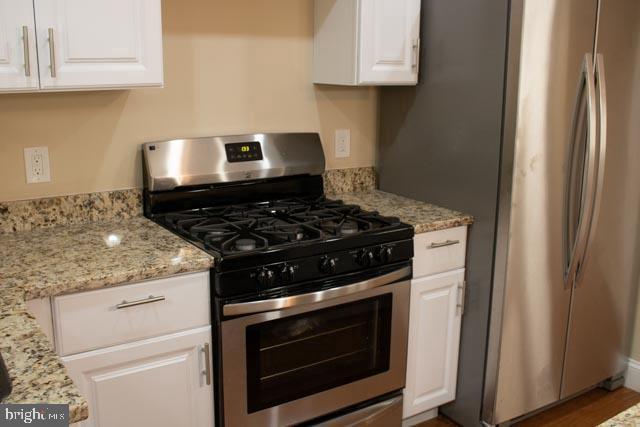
[241, 230]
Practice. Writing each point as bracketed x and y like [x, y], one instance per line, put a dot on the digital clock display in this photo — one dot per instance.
[243, 151]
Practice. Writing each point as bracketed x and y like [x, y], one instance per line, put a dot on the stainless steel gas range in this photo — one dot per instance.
[310, 296]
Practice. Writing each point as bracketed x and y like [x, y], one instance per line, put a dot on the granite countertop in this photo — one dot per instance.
[422, 216]
[57, 260]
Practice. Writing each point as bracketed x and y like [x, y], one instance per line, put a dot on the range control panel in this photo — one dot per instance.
[321, 266]
[243, 151]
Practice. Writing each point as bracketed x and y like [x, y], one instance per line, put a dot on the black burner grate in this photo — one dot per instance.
[253, 227]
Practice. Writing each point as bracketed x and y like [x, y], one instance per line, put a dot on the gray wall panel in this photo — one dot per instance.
[440, 142]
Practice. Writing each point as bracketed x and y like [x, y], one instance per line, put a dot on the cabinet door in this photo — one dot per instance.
[18, 56]
[389, 41]
[434, 339]
[85, 44]
[158, 382]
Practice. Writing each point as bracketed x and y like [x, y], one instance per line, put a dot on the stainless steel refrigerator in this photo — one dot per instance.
[527, 115]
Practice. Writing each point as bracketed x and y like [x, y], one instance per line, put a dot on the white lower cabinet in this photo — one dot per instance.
[161, 381]
[140, 353]
[437, 304]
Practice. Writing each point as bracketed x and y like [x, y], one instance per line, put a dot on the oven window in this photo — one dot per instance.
[308, 353]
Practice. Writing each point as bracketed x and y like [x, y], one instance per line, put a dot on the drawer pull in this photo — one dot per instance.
[125, 303]
[435, 245]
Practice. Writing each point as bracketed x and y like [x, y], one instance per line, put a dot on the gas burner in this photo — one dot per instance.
[349, 227]
[282, 232]
[217, 237]
[206, 227]
[343, 226]
[245, 244]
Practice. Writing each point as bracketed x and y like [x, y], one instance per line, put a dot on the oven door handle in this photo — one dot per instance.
[314, 297]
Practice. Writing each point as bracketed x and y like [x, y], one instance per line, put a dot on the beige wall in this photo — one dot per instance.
[230, 67]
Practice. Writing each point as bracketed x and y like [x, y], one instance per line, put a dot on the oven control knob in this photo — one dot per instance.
[384, 254]
[365, 258]
[266, 277]
[328, 265]
[288, 273]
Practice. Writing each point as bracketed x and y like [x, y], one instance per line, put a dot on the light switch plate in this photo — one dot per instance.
[36, 164]
[343, 142]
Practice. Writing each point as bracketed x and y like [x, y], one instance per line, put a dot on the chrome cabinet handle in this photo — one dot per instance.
[314, 297]
[575, 249]
[462, 290]
[599, 78]
[415, 54]
[52, 53]
[126, 304]
[25, 46]
[207, 363]
[447, 242]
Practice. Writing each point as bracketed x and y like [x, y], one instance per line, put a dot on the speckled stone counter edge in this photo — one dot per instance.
[43, 377]
[337, 181]
[24, 215]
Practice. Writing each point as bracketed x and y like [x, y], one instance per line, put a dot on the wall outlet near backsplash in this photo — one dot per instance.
[343, 143]
[36, 164]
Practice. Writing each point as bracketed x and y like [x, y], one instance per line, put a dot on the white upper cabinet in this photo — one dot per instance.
[367, 42]
[81, 44]
[389, 41]
[18, 56]
[99, 44]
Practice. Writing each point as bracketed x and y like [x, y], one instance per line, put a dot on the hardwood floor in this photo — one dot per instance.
[437, 422]
[587, 410]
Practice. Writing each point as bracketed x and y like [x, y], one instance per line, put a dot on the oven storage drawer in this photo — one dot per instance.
[439, 251]
[387, 413]
[105, 317]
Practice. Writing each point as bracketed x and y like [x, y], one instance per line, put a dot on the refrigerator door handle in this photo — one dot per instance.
[575, 243]
[600, 83]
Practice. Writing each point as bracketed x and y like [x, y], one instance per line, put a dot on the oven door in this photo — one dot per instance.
[311, 354]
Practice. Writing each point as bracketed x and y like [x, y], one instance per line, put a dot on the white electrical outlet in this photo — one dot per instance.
[343, 142]
[36, 163]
